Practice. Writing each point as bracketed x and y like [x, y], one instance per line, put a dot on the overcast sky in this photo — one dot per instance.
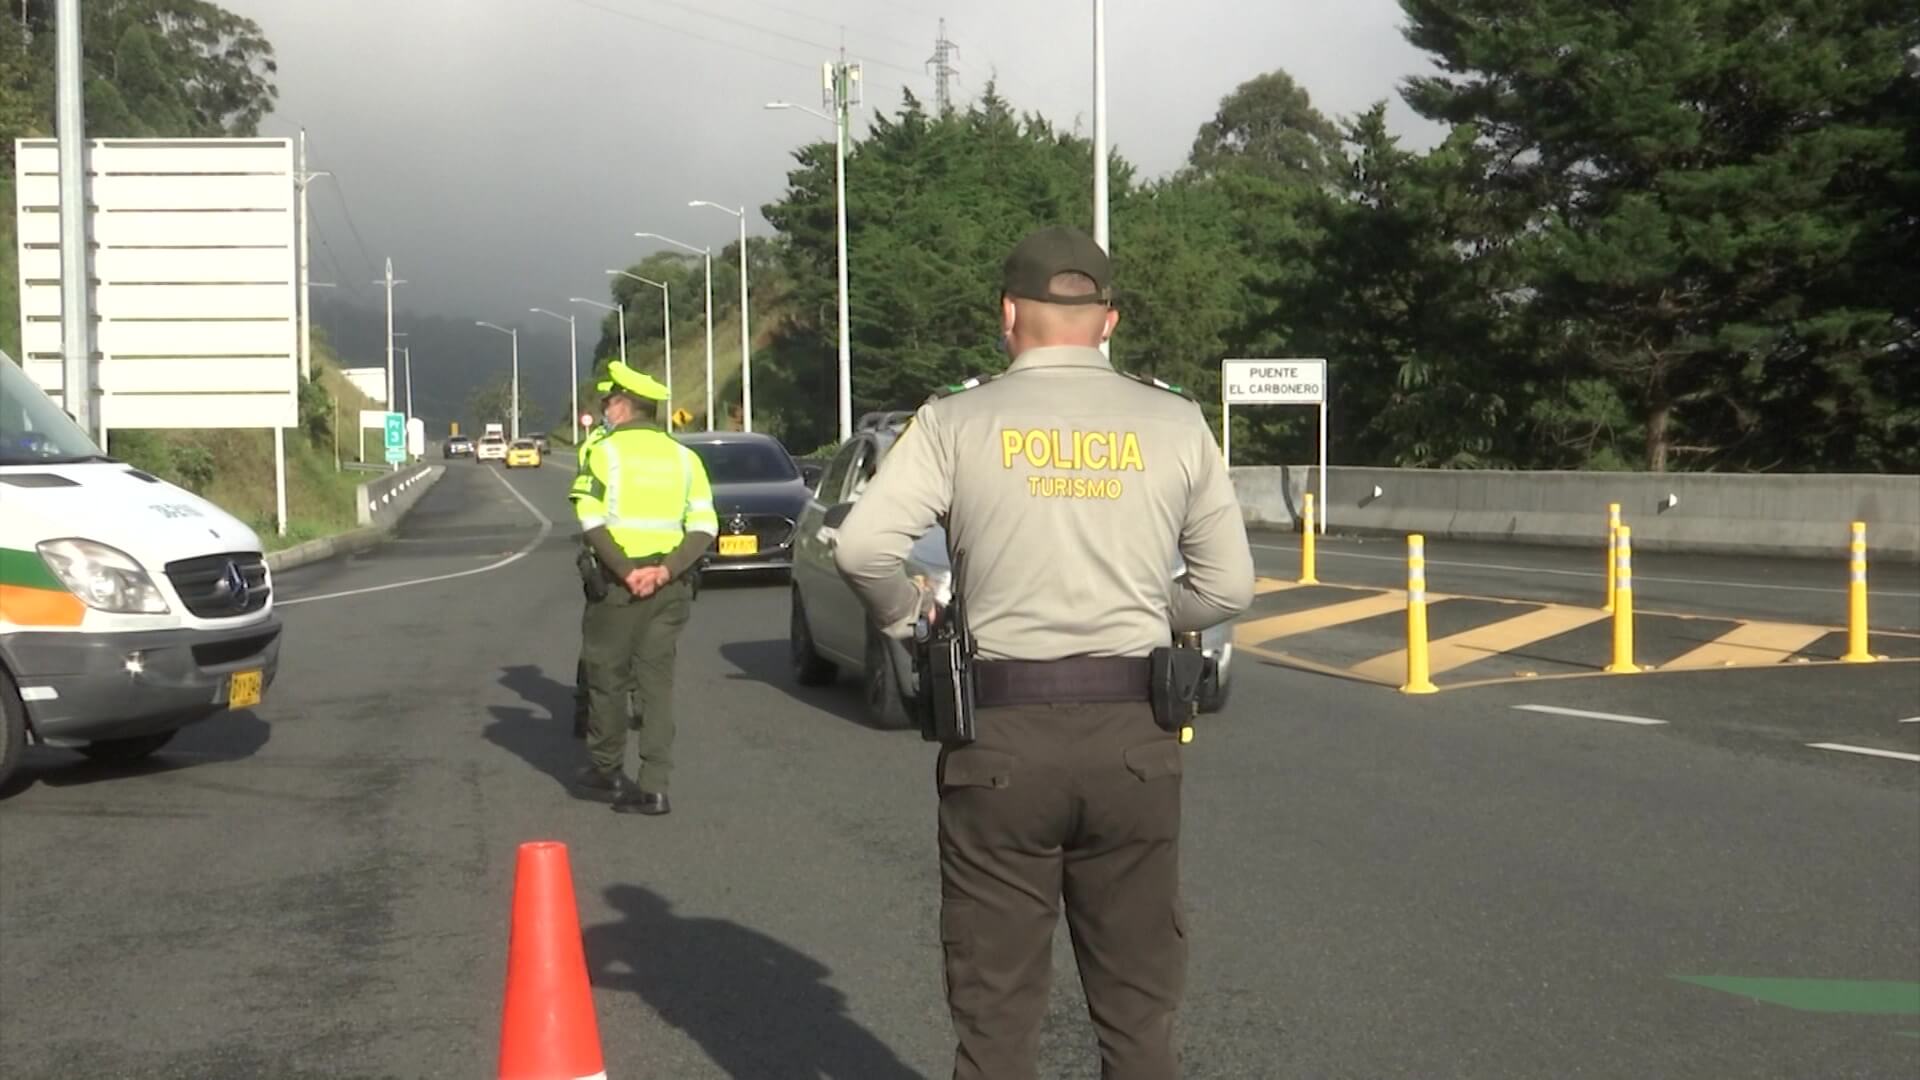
[502, 152]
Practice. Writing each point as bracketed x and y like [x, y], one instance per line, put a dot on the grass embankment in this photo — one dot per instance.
[234, 469]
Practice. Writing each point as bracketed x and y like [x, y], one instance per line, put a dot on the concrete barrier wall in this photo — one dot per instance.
[382, 500]
[1793, 515]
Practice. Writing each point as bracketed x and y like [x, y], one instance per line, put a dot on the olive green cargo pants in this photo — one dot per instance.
[1052, 802]
[628, 646]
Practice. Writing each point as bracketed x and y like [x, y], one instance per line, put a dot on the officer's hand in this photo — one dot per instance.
[640, 582]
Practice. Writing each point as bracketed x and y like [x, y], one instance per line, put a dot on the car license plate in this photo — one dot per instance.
[739, 545]
[243, 690]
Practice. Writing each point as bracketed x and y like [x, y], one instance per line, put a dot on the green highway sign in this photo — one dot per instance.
[396, 438]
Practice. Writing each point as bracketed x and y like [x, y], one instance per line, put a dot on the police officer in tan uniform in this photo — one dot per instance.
[1070, 488]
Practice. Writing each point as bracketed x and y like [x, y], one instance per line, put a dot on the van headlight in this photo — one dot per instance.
[104, 578]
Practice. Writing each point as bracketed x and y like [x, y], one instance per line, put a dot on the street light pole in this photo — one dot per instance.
[76, 322]
[618, 309]
[746, 338]
[839, 122]
[304, 180]
[666, 333]
[390, 281]
[573, 352]
[1100, 233]
[707, 253]
[513, 405]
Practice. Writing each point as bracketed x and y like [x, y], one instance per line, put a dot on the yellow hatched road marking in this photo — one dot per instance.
[1299, 622]
[1481, 642]
[1751, 643]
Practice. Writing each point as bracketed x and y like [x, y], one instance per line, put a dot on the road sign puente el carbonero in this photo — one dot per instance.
[1276, 382]
[192, 267]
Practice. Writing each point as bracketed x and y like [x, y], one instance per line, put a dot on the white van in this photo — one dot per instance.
[128, 607]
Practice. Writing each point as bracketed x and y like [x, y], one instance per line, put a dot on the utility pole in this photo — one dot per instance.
[943, 71]
[407, 351]
[76, 318]
[844, 88]
[390, 281]
[301, 179]
[1100, 234]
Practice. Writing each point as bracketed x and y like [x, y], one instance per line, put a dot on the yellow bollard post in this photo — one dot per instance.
[1306, 544]
[1623, 603]
[1419, 680]
[1857, 597]
[1613, 552]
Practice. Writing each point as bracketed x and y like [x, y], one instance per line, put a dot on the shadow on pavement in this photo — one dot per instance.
[542, 736]
[223, 737]
[757, 1007]
[766, 662]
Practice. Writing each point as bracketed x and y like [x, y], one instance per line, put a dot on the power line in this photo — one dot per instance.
[655, 23]
[838, 24]
[771, 33]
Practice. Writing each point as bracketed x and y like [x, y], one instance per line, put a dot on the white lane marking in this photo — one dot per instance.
[1615, 717]
[1867, 750]
[1911, 720]
[1324, 553]
[546, 527]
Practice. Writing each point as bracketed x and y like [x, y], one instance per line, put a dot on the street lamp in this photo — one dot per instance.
[617, 309]
[573, 354]
[746, 339]
[666, 332]
[708, 254]
[513, 406]
[839, 121]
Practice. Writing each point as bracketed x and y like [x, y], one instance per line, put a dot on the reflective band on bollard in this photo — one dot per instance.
[1623, 603]
[1419, 680]
[1857, 597]
[1613, 551]
[1306, 544]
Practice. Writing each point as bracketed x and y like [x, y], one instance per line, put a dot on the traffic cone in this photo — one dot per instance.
[548, 1031]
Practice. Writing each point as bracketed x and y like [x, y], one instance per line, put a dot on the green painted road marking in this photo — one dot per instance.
[1878, 998]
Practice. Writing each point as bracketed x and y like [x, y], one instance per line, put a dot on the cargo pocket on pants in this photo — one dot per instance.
[958, 925]
[972, 766]
[1153, 761]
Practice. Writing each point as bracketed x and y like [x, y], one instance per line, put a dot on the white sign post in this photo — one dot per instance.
[1275, 382]
[192, 270]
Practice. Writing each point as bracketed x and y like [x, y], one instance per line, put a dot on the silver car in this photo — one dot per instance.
[829, 630]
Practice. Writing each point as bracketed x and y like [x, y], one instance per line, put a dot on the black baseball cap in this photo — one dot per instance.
[1056, 249]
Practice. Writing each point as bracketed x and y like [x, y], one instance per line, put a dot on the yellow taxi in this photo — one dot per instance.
[523, 452]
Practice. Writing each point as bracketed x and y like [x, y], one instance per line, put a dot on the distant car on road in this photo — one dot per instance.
[458, 446]
[540, 443]
[757, 494]
[828, 629]
[523, 453]
[491, 448]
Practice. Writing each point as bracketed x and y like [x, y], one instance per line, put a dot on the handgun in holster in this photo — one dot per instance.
[595, 581]
[1177, 673]
[943, 661]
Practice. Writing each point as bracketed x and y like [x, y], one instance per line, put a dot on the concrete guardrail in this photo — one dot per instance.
[1720, 513]
[381, 504]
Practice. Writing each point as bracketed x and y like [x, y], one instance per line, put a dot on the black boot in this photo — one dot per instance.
[635, 801]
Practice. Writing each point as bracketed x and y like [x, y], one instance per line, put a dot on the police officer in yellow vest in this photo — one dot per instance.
[587, 441]
[646, 511]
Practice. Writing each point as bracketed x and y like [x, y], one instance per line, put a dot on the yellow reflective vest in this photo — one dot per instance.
[646, 488]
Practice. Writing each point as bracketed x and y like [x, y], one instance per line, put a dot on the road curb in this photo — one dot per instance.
[354, 541]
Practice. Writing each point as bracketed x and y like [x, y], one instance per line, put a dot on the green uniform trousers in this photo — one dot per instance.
[1053, 802]
[628, 646]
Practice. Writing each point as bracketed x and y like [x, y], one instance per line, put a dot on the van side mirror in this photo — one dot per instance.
[836, 515]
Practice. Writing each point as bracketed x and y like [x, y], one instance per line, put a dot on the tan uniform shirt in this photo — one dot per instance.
[1070, 489]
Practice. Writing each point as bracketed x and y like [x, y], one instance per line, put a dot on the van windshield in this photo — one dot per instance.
[33, 430]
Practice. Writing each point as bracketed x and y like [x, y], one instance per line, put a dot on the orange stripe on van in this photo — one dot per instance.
[40, 607]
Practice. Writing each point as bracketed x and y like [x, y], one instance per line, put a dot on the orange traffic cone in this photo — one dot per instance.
[549, 1032]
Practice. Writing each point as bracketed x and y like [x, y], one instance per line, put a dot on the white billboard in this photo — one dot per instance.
[1274, 382]
[371, 381]
[191, 273]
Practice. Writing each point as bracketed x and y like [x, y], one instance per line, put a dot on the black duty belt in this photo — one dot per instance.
[1079, 680]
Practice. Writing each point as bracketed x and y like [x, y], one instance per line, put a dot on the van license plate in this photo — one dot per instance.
[739, 545]
[243, 690]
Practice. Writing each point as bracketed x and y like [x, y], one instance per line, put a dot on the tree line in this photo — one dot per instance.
[1657, 234]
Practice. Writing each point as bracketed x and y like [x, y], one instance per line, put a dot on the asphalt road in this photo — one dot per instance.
[1379, 885]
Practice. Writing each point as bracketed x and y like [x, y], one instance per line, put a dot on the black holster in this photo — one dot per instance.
[1177, 673]
[945, 693]
[594, 579]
